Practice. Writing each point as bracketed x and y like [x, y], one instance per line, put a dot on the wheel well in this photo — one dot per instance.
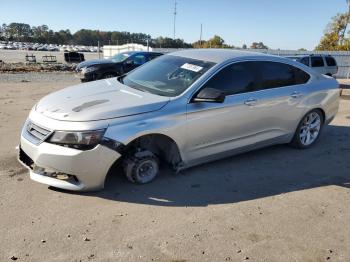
[161, 145]
[323, 114]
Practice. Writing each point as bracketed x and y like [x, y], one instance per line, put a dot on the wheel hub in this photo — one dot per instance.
[147, 170]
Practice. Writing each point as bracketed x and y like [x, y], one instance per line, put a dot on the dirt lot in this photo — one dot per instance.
[275, 204]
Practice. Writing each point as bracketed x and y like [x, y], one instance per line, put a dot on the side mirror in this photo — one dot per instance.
[211, 95]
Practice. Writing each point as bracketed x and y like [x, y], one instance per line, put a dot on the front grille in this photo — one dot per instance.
[39, 133]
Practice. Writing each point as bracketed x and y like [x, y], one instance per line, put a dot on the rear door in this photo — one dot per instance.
[281, 87]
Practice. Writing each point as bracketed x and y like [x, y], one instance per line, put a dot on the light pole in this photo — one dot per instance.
[200, 37]
[175, 13]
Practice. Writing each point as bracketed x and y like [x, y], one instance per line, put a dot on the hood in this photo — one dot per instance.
[103, 99]
[94, 62]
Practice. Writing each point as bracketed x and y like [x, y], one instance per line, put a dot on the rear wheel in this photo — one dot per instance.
[309, 130]
[142, 167]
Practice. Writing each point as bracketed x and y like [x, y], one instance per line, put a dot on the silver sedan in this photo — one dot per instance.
[183, 109]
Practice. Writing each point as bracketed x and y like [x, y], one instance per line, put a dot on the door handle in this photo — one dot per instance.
[250, 102]
[296, 94]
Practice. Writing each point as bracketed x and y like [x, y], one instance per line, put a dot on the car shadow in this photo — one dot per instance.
[266, 172]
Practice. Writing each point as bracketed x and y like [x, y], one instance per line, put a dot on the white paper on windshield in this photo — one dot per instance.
[191, 67]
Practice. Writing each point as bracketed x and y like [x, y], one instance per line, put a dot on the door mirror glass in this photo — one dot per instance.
[209, 94]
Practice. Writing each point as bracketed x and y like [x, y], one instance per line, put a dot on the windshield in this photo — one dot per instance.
[167, 75]
[119, 57]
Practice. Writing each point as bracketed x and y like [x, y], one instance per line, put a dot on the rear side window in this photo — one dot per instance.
[234, 79]
[330, 61]
[301, 77]
[317, 61]
[274, 75]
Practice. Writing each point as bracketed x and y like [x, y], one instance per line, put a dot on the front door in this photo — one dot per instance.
[213, 128]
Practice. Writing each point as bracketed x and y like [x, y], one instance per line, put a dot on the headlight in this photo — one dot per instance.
[90, 69]
[83, 140]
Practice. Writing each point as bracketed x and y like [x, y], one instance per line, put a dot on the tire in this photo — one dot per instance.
[142, 167]
[308, 130]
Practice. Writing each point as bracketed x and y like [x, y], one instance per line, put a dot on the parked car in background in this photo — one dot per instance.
[182, 109]
[324, 64]
[117, 65]
[74, 57]
[47, 47]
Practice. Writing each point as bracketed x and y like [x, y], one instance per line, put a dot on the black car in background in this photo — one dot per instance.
[115, 66]
[74, 57]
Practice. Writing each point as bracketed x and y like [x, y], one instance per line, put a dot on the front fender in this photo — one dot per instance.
[171, 125]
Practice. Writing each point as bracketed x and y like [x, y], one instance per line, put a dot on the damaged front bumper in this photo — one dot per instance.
[67, 168]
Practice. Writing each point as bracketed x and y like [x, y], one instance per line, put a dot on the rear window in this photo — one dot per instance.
[330, 61]
[317, 61]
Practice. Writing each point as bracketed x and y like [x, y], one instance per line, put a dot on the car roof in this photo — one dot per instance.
[218, 55]
[309, 55]
[140, 52]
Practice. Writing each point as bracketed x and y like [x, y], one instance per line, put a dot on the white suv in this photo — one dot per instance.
[324, 64]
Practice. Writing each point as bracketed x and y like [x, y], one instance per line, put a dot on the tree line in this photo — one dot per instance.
[21, 32]
[336, 36]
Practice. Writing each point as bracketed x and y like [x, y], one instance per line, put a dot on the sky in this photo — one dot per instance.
[280, 24]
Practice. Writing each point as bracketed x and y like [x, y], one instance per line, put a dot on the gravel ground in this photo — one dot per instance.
[275, 204]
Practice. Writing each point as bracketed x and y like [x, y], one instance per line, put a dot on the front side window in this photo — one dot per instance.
[168, 75]
[317, 61]
[234, 79]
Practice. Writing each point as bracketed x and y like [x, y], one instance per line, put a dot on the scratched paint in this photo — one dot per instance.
[89, 104]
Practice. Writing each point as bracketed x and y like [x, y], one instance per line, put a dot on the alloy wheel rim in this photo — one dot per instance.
[310, 128]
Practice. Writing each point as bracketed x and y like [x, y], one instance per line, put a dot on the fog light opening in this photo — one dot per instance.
[57, 175]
